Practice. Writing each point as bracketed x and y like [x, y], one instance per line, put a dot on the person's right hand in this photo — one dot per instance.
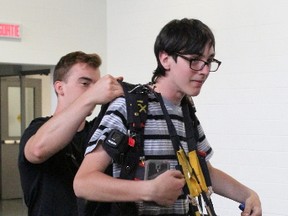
[167, 187]
[106, 88]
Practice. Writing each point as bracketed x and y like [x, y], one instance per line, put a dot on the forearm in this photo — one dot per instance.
[109, 189]
[226, 186]
[91, 183]
[58, 131]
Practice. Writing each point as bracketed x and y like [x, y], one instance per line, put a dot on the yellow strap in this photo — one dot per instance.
[192, 172]
[194, 162]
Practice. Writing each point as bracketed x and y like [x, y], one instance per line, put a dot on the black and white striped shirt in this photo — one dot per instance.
[157, 143]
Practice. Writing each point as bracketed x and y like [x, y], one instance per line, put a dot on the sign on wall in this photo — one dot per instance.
[10, 30]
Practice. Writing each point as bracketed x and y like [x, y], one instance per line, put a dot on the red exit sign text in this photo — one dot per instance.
[10, 30]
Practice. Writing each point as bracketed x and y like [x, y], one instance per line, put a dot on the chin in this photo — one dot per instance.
[193, 93]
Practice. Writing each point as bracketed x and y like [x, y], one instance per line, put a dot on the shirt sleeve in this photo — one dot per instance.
[203, 144]
[114, 118]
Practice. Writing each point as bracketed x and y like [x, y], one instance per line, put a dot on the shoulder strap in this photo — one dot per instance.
[137, 108]
[172, 131]
[193, 136]
[190, 119]
[135, 100]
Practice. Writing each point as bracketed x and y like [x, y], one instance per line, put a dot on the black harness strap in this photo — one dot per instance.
[176, 145]
[172, 131]
[137, 108]
[192, 137]
[189, 115]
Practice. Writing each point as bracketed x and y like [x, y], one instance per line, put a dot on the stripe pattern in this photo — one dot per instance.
[157, 144]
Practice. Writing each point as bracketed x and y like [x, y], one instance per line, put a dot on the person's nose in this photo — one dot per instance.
[205, 70]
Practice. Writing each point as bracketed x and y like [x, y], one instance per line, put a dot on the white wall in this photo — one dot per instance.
[51, 29]
[243, 107]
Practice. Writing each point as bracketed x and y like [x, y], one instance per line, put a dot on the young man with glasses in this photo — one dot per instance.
[185, 53]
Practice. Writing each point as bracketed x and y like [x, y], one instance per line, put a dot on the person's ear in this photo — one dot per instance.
[58, 86]
[164, 59]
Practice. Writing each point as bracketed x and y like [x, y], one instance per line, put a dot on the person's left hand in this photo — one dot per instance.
[252, 206]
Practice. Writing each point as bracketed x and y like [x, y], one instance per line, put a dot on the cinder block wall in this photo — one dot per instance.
[243, 106]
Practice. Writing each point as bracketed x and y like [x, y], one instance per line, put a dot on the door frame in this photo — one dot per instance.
[10, 186]
[7, 82]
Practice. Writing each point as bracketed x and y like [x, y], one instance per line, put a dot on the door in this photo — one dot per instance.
[20, 100]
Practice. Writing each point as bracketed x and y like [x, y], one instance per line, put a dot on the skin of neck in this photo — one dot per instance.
[168, 91]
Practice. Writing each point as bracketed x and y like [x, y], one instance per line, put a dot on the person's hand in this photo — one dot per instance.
[167, 187]
[106, 89]
[252, 206]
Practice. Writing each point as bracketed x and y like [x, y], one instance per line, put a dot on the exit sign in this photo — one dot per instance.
[10, 30]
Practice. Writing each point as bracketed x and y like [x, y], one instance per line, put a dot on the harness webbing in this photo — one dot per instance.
[137, 108]
[192, 136]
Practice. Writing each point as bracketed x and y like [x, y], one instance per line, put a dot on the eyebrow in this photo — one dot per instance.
[85, 79]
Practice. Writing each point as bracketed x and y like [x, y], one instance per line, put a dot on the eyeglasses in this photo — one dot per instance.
[198, 64]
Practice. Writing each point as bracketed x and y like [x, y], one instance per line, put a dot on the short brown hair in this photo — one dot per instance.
[66, 62]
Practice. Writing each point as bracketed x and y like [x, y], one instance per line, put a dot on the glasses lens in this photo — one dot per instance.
[214, 66]
[197, 64]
